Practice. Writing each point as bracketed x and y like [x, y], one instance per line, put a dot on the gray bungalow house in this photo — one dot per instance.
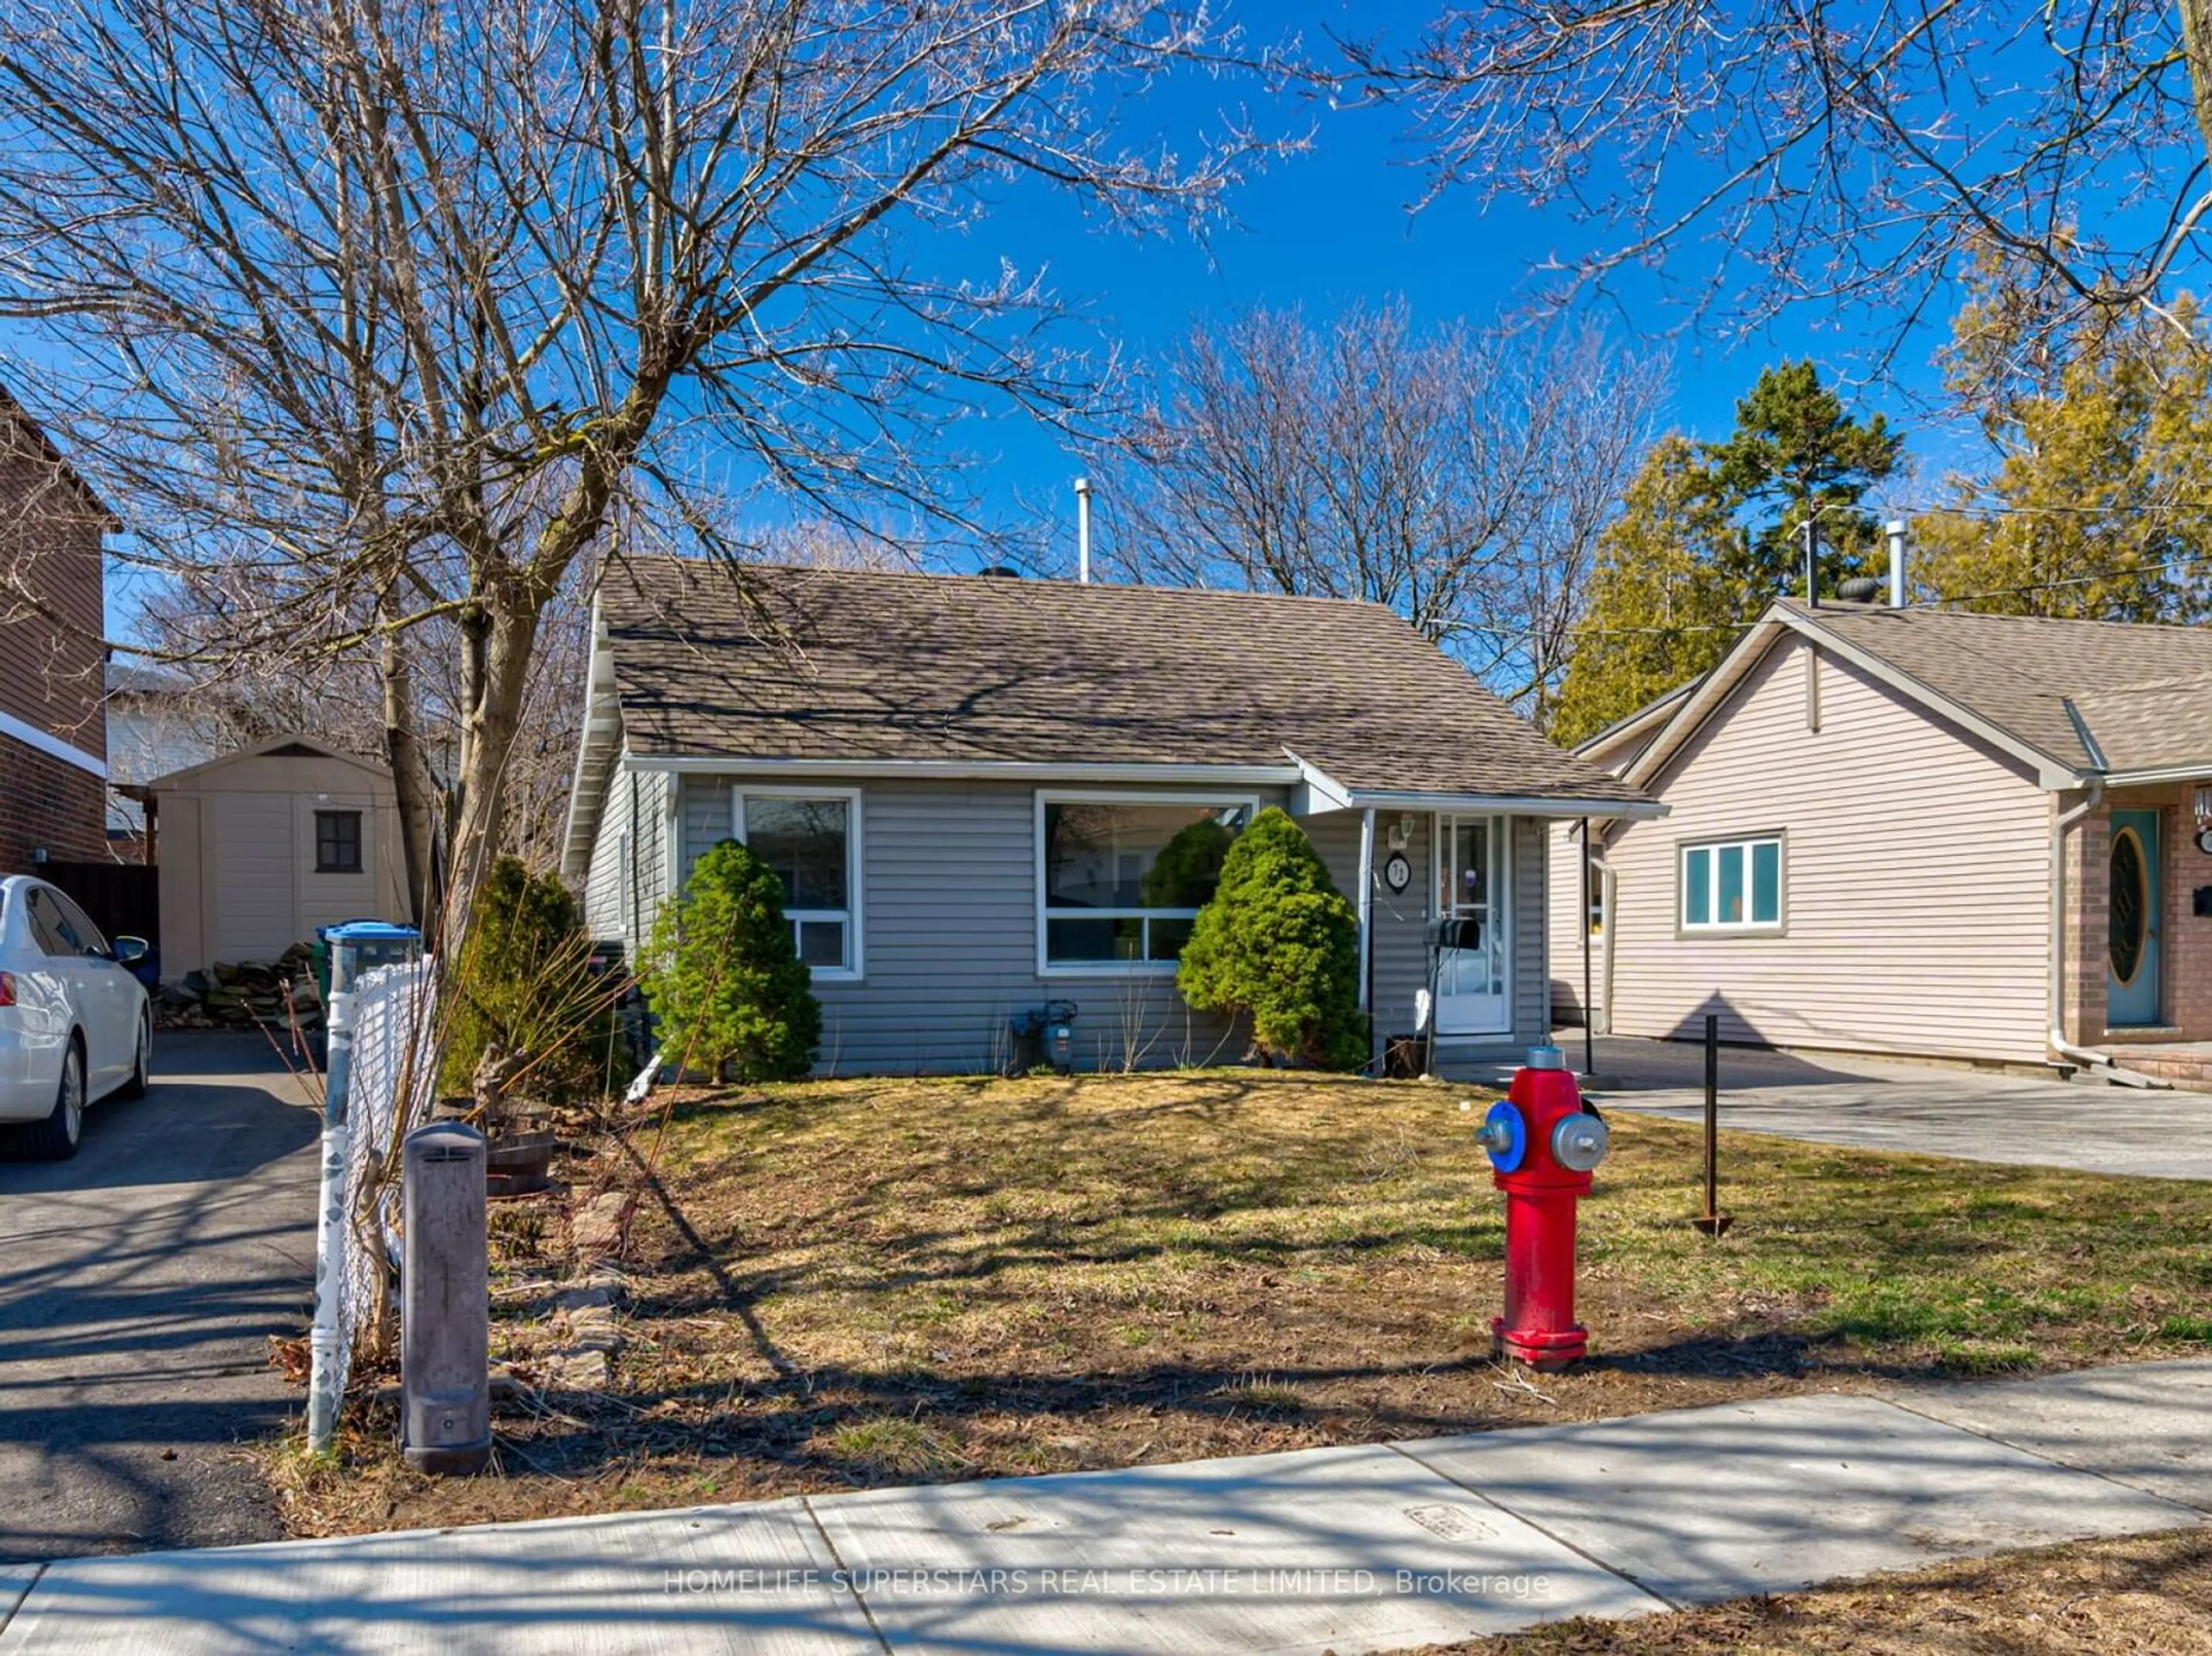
[967, 784]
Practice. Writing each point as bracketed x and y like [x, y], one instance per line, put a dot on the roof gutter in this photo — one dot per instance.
[1512, 804]
[2199, 771]
[967, 770]
[1326, 793]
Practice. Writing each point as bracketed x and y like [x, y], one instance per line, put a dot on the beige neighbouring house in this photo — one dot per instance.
[1884, 827]
[260, 847]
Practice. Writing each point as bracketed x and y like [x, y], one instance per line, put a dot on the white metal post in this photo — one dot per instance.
[325, 1377]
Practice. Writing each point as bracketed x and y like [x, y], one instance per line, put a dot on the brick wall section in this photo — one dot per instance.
[43, 802]
[52, 656]
[2085, 874]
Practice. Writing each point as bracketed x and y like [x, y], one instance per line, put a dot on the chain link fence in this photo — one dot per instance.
[382, 1072]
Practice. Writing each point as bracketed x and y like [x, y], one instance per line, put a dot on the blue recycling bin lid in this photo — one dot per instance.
[368, 931]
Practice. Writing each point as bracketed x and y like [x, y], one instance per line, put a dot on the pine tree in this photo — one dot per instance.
[725, 978]
[1280, 943]
[1797, 453]
[523, 985]
[1661, 610]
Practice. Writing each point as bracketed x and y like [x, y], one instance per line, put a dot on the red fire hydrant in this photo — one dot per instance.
[1543, 1141]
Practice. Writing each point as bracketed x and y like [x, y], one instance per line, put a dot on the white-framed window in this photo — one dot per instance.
[1732, 885]
[811, 837]
[1121, 876]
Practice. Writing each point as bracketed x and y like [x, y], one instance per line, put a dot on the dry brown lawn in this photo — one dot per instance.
[2142, 1596]
[852, 1283]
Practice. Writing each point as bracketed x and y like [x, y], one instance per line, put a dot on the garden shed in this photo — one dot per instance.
[260, 847]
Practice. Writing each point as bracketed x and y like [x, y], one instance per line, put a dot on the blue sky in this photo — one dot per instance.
[1337, 226]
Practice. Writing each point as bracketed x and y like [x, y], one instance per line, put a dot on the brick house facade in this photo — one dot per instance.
[2183, 1017]
[53, 731]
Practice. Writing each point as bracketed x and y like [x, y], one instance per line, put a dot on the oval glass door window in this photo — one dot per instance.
[2129, 911]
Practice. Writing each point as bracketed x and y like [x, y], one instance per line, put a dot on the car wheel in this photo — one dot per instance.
[55, 1139]
[141, 1062]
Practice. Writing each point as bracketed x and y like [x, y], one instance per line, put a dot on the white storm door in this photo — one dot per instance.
[1475, 988]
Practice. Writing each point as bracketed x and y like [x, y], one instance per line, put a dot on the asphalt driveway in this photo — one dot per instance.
[139, 1284]
[1934, 1109]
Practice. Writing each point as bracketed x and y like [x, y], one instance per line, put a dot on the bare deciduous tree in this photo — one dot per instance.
[382, 315]
[1822, 150]
[1460, 476]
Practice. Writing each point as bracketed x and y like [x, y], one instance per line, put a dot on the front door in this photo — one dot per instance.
[2131, 972]
[1474, 986]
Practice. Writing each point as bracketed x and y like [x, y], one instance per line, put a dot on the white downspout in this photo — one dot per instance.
[2092, 798]
[1609, 889]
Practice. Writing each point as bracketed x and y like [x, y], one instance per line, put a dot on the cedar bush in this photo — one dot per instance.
[1280, 943]
[724, 975]
[522, 983]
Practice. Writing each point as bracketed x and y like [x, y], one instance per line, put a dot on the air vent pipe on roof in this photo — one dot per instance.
[1894, 530]
[1083, 530]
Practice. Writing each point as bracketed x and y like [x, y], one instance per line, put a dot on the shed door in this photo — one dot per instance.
[1473, 978]
[2131, 944]
[256, 895]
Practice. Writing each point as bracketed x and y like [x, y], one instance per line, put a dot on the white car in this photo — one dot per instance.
[74, 1024]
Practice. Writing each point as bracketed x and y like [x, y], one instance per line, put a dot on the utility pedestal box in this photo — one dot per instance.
[445, 1302]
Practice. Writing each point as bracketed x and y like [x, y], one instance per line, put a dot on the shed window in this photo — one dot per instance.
[338, 842]
[812, 842]
[1732, 885]
[1123, 880]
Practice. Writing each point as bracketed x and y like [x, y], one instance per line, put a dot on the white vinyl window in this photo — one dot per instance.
[1121, 879]
[811, 837]
[1732, 885]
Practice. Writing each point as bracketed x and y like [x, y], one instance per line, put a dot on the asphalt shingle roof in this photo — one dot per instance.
[775, 663]
[2140, 690]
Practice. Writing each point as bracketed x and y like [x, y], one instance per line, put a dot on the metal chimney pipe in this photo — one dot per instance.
[1894, 530]
[1083, 530]
[1812, 527]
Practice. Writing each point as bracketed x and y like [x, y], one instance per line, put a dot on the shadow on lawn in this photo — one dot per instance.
[815, 1425]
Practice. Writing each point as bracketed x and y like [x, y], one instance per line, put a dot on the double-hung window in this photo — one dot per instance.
[812, 838]
[1121, 879]
[1732, 885]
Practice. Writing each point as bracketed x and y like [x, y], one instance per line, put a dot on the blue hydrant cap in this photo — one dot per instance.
[1546, 1058]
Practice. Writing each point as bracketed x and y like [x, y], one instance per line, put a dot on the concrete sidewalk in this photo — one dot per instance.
[1349, 1549]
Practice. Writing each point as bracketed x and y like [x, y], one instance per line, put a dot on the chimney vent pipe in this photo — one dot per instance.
[1083, 530]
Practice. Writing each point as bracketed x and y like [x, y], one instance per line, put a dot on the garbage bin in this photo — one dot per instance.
[353, 947]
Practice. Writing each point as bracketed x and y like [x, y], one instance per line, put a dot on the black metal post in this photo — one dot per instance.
[1713, 1222]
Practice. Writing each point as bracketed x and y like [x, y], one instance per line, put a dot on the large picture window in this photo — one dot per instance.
[811, 840]
[1732, 885]
[1123, 879]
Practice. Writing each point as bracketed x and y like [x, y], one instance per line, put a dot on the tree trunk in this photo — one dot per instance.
[499, 645]
[2197, 47]
[403, 752]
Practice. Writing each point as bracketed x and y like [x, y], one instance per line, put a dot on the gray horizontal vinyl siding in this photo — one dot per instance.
[948, 913]
[636, 804]
[605, 910]
[1400, 965]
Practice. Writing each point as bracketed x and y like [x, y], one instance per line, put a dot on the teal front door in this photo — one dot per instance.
[2131, 971]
